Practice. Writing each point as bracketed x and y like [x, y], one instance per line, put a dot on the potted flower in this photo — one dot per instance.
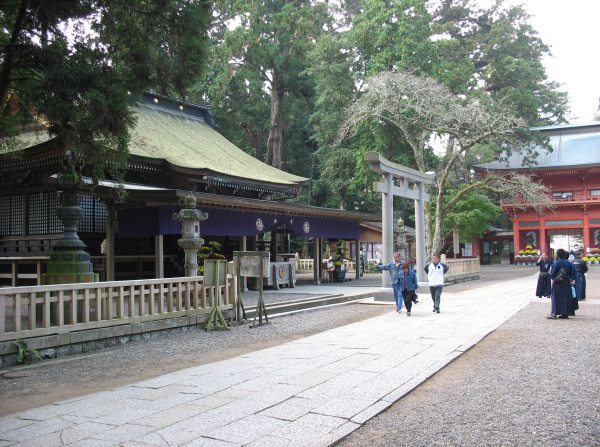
[209, 250]
[339, 271]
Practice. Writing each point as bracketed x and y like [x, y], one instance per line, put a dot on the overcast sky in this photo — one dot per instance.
[571, 29]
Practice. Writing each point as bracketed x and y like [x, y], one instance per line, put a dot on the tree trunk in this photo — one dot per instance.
[9, 55]
[438, 231]
[275, 142]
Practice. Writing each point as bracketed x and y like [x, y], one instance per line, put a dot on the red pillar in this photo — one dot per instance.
[516, 238]
[586, 232]
[544, 248]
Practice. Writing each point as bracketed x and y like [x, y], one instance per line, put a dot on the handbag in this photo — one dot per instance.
[573, 292]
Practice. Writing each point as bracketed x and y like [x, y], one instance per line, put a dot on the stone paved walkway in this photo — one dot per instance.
[309, 392]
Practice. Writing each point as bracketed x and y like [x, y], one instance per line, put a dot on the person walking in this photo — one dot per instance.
[409, 285]
[435, 274]
[562, 274]
[395, 269]
[581, 269]
[544, 285]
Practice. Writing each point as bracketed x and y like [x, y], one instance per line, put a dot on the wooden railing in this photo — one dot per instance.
[304, 265]
[28, 270]
[307, 265]
[43, 310]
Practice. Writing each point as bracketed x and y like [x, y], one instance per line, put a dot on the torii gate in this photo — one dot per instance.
[391, 171]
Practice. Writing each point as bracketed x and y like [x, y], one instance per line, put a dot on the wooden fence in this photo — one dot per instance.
[43, 310]
[307, 265]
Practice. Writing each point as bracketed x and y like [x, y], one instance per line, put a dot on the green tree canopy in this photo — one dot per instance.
[419, 107]
[77, 65]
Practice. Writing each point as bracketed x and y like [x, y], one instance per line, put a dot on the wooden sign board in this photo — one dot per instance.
[249, 263]
[215, 271]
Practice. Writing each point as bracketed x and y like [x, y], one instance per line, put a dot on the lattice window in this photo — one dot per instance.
[529, 224]
[86, 224]
[94, 215]
[11, 215]
[42, 214]
[101, 215]
[38, 214]
[594, 221]
[55, 226]
[564, 222]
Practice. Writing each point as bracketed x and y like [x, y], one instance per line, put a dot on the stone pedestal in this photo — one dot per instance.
[69, 263]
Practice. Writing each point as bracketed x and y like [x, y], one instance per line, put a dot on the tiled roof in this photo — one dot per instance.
[188, 141]
[573, 146]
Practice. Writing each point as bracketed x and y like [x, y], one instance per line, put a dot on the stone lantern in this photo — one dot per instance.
[401, 242]
[190, 219]
[69, 263]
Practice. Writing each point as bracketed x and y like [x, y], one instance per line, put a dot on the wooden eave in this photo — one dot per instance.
[176, 197]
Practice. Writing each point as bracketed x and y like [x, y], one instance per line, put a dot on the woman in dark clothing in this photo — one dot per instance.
[581, 269]
[543, 284]
[562, 297]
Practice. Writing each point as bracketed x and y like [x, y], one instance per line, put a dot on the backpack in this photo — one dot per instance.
[561, 276]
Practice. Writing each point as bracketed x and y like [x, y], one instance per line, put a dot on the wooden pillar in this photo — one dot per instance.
[159, 256]
[516, 238]
[317, 260]
[244, 281]
[456, 243]
[587, 243]
[357, 260]
[544, 247]
[111, 223]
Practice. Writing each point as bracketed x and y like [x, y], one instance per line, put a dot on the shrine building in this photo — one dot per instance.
[571, 171]
[175, 150]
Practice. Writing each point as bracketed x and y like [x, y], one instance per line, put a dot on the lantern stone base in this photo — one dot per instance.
[66, 267]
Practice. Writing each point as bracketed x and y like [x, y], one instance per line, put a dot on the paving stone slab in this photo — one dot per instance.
[308, 392]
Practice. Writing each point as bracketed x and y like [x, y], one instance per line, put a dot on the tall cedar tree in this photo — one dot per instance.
[76, 65]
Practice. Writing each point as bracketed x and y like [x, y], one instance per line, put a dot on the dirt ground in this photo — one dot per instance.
[25, 387]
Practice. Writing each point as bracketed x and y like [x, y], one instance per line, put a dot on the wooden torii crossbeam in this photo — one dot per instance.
[412, 186]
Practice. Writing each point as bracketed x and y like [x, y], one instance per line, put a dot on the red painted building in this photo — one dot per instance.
[572, 174]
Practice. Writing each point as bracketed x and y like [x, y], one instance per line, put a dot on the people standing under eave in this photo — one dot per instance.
[562, 274]
[544, 285]
[581, 269]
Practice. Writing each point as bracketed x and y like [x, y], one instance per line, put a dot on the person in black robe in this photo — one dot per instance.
[581, 269]
[563, 304]
[544, 285]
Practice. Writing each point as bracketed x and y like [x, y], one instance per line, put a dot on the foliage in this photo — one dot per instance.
[340, 253]
[420, 107]
[76, 67]
[209, 250]
[471, 216]
[25, 354]
[495, 50]
[261, 54]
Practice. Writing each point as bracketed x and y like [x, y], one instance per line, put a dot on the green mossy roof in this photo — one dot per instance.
[189, 142]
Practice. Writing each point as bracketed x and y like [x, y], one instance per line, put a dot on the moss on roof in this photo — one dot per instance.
[189, 142]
